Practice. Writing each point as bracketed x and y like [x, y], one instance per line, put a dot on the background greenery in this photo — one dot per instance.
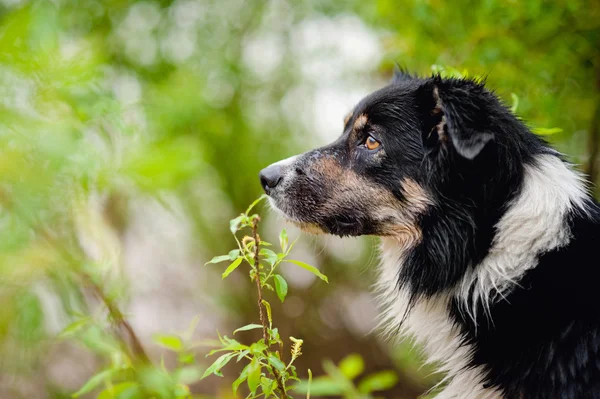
[132, 131]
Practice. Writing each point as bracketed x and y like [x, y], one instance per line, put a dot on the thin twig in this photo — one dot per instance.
[137, 350]
[261, 306]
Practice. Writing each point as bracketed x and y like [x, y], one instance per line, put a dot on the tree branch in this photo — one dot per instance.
[123, 326]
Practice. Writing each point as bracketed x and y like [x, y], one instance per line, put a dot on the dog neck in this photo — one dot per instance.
[534, 221]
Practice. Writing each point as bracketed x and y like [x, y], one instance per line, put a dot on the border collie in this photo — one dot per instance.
[490, 238]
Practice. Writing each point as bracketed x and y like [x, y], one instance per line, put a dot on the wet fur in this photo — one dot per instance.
[489, 238]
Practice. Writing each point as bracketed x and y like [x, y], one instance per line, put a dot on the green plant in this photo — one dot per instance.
[339, 380]
[267, 372]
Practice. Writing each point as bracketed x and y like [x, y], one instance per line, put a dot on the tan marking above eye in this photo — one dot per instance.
[371, 143]
[347, 118]
[360, 122]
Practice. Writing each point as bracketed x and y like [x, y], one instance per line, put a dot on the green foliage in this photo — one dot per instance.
[339, 380]
[266, 372]
[99, 115]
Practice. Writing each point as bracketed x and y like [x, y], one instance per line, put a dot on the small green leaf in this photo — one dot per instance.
[218, 364]
[218, 259]
[269, 256]
[320, 386]
[248, 327]
[283, 240]
[309, 383]
[234, 224]
[515, 103]
[378, 382]
[233, 254]
[94, 382]
[258, 348]
[281, 287]
[267, 386]
[242, 354]
[276, 362]
[352, 366]
[117, 391]
[240, 379]
[547, 131]
[310, 268]
[269, 315]
[254, 375]
[232, 267]
[133, 392]
[256, 201]
[72, 328]
[186, 358]
[169, 341]
[187, 375]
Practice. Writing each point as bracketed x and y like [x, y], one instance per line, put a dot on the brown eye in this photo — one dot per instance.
[371, 143]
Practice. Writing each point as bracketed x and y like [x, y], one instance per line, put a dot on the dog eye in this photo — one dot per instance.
[371, 143]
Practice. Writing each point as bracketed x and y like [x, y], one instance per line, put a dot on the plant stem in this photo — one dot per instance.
[137, 350]
[261, 307]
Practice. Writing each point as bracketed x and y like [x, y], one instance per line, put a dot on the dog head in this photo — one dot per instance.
[412, 146]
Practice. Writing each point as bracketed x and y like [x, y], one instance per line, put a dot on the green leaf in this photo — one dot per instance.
[281, 287]
[258, 347]
[233, 254]
[269, 256]
[234, 224]
[218, 259]
[72, 328]
[515, 103]
[218, 364]
[276, 362]
[229, 344]
[187, 375]
[320, 386]
[95, 381]
[283, 240]
[308, 384]
[240, 379]
[172, 342]
[256, 201]
[547, 131]
[186, 358]
[232, 267]
[254, 375]
[117, 390]
[248, 327]
[310, 268]
[269, 315]
[267, 386]
[378, 382]
[133, 392]
[352, 366]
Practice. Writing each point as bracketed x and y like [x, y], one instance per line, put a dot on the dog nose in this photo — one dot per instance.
[270, 177]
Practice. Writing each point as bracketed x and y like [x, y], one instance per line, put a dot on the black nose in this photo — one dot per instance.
[270, 177]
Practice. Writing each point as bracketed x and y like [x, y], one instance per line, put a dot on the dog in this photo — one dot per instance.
[489, 237]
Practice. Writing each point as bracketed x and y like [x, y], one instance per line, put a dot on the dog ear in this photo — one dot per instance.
[401, 75]
[453, 113]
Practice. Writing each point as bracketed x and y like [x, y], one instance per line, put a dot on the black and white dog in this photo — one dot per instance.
[490, 240]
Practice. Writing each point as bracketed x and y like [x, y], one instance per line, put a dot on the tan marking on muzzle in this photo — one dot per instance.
[309, 228]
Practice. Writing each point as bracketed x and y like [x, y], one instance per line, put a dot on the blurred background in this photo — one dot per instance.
[131, 132]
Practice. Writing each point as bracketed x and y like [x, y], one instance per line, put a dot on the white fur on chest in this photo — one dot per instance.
[534, 223]
[431, 327]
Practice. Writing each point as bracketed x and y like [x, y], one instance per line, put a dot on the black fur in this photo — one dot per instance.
[455, 139]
